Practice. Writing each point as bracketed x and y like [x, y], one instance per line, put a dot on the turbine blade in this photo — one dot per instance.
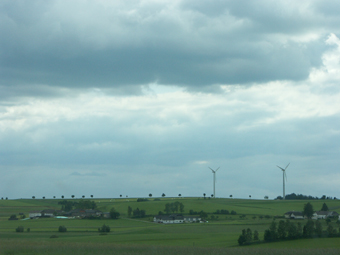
[280, 168]
[287, 166]
[217, 169]
[212, 170]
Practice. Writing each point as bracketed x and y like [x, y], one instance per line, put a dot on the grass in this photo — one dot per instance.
[131, 236]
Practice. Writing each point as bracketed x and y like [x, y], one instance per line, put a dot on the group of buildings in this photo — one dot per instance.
[316, 216]
[76, 213]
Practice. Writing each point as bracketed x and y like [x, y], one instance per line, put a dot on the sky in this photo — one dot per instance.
[110, 98]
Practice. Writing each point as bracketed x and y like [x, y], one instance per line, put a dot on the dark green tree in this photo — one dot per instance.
[249, 235]
[104, 229]
[129, 211]
[256, 235]
[242, 238]
[318, 228]
[324, 207]
[62, 229]
[281, 230]
[114, 214]
[292, 231]
[308, 229]
[308, 210]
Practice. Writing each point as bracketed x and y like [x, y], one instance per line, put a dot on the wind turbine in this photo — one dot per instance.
[284, 176]
[214, 181]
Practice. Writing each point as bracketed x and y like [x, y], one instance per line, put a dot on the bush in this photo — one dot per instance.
[19, 229]
[13, 217]
[28, 230]
[233, 212]
[104, 229]
[62, 229]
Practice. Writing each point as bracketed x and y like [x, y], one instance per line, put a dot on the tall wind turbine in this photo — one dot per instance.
[214, 181]
[284, 176]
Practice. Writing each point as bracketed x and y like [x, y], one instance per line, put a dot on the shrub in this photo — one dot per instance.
[233, 212]
[28, 230]
[62, 229]
[19, 229]
[104, 229]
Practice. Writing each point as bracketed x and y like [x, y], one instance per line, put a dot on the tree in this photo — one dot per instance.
[249, 235]
[318, 228]
[91, 196]
[120, 195]
[281, 230]
[249, 196]
[256, 235]
[53, 196]
[242, 238]
[129, 211]
[292, 230]
[308, 229]
[33, 197]
[212, 195]
[231, 196]
[43, 197]
[179, 195]
[19, 229]
[83, 196]
[104, 229]
[72, 196]
[62, 229]
[163, 195]
[204, 195]
[150, 195]
[308, 210]
[324, 207]
[62, 196]
[114, 214]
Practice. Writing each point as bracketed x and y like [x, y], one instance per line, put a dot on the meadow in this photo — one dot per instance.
[142, 236]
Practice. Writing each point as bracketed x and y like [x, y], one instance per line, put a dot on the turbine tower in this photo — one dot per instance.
[284, 176]
[214, 181]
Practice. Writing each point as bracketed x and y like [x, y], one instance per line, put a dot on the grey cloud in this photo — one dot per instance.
[195, 51]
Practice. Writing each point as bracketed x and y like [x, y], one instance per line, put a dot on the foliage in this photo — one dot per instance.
[62, 229]
[233, 212]
[308, 210]
[138, 213]
[19, 229]
[114, 214]
[174, 207]
[129, 211]
[142, 199]
[86, 204]
[13, 217]
[104, 229]
[324, 207]
[222, 211]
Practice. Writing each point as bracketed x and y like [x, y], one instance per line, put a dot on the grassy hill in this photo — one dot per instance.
[143, 234]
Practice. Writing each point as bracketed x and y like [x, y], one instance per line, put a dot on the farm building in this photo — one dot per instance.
[294, 215]
[324, 214]
[175, 218]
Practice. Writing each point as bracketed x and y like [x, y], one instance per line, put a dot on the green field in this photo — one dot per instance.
[142, 236]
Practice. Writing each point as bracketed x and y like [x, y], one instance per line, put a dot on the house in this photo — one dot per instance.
[324, 215]
[34, 214]
[294, 215]
[47, 213]
[191, 219]
[175, 218]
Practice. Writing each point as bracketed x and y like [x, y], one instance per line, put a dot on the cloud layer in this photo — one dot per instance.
[110, 98]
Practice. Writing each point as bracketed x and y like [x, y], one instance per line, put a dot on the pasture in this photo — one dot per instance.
[142, 236]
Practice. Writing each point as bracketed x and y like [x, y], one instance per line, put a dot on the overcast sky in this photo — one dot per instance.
[135, 97]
